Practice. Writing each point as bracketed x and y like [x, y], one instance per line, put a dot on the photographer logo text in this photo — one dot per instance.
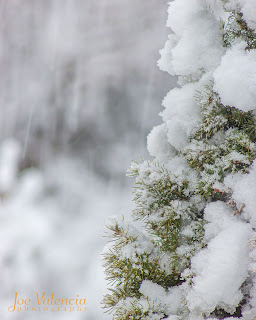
[51, 304]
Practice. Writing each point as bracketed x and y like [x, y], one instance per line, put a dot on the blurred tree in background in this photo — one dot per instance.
[80, 76]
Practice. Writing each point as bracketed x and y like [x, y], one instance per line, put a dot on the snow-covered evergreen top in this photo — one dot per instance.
[210, 41]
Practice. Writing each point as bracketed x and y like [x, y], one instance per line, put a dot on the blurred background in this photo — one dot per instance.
[79, 92]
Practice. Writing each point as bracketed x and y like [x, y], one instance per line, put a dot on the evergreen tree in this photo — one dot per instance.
[188, 254]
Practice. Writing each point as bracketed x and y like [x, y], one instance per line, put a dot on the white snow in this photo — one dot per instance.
[181, 114]
[244, 193]
[191, 52]
[195, 53]
[235, 78]
[222, 267]
[157, 143]
[171, 300]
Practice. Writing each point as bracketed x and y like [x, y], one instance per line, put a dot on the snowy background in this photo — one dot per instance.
[79, 92]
